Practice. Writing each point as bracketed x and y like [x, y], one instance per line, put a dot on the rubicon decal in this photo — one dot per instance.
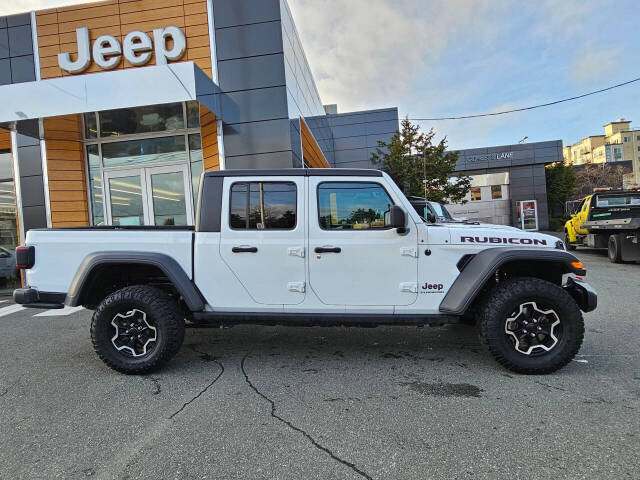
[504, 240]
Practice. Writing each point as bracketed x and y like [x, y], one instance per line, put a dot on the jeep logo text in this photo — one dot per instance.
[137, 49]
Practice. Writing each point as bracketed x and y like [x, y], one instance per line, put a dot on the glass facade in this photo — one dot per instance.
[303, 99]
[9, 275]
[151, 160]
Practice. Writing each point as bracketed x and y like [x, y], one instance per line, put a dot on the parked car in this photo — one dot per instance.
[434, 211]
[8, 270]
[309, 247]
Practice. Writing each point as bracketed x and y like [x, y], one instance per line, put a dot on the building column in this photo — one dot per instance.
[28, 176]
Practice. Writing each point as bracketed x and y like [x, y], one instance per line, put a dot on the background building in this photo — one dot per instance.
[503, 176]
[618, 144]
[110, 111]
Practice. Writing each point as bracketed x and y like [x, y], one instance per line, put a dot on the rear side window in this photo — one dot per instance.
[263, 206]
[352, 205]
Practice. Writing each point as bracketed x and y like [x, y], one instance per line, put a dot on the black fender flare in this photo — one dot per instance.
[484, 264]
[168, 265]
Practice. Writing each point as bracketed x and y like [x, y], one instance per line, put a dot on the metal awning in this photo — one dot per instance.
[133, 87]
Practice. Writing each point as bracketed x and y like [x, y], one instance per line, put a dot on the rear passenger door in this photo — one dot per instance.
[262, 239]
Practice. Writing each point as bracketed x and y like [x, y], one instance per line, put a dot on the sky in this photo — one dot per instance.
[457, 57]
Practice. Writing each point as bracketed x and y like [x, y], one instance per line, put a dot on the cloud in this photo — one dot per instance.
[365, 52]
[596, 65]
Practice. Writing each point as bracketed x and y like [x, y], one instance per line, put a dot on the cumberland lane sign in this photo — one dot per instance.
[490, 156]
[137, 48]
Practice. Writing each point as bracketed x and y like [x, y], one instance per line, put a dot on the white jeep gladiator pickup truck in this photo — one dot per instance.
[309, 247]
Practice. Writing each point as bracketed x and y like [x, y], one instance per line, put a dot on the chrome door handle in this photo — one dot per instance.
[244, 249]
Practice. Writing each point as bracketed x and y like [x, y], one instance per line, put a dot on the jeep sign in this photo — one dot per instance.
[137, 47]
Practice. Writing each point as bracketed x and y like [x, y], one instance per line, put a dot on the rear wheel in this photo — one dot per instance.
[137, 329]
[614, 251]
[531, 326]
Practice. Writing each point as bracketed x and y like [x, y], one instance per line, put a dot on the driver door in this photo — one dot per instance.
[354, 260]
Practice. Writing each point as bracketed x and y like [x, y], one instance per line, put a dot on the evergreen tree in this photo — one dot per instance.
[561, 181]
[420, 167]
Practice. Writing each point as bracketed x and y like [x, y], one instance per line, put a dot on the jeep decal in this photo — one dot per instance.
[505, 241]
[432, 288]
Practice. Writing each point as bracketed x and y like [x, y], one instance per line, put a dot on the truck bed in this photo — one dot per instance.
[65, 248]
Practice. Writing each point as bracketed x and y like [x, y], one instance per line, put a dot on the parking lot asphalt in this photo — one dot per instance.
[306, 403]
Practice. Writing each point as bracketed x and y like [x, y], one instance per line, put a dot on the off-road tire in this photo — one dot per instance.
[504, 299]
[614, 249]
[568, 243]
[161, 310]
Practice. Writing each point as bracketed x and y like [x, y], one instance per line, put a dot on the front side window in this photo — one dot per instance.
[352, 206]
[263, 206]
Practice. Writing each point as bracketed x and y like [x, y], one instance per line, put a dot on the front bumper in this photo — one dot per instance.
[32, 298]
[583, 293]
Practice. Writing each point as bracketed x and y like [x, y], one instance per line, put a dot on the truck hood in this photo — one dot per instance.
[497, 235]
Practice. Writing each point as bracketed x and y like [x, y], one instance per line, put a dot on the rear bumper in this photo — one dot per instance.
[32, 298]
[583, 293]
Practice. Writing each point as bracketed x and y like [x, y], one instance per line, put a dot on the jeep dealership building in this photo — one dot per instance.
[110, 111]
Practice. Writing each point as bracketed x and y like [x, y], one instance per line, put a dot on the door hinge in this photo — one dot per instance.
[296, 287]
[410, 287]
[296, 252]
[409, 252]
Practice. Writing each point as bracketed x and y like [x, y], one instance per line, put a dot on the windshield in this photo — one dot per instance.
[440, 211]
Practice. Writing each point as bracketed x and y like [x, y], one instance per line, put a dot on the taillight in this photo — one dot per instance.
[25, 257]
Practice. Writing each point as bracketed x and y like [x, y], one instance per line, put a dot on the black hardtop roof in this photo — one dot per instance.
[297, 172]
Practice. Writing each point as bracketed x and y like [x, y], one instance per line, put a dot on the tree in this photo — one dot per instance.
[598, 175]
[561, 181]
[420, 167]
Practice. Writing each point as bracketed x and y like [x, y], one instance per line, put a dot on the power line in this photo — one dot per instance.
[462, 117]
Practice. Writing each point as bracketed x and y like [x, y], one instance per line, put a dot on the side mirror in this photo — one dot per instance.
[397, 217]
[431, 218]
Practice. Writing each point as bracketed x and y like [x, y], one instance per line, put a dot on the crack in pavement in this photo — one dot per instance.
[133, 449]
[297, 429]
[207, 387]
[10, 386]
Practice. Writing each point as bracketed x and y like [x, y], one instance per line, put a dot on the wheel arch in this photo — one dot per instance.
[101, 269]
[480, 272]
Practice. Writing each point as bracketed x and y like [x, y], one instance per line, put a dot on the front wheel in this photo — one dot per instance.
[137, 329]
[568, 243]
[531, 326]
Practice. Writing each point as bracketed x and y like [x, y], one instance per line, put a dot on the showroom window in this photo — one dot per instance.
[263, 206]
[476, 194]
[150, 160]
[496, 192]
[352, 206]
[9, 275]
